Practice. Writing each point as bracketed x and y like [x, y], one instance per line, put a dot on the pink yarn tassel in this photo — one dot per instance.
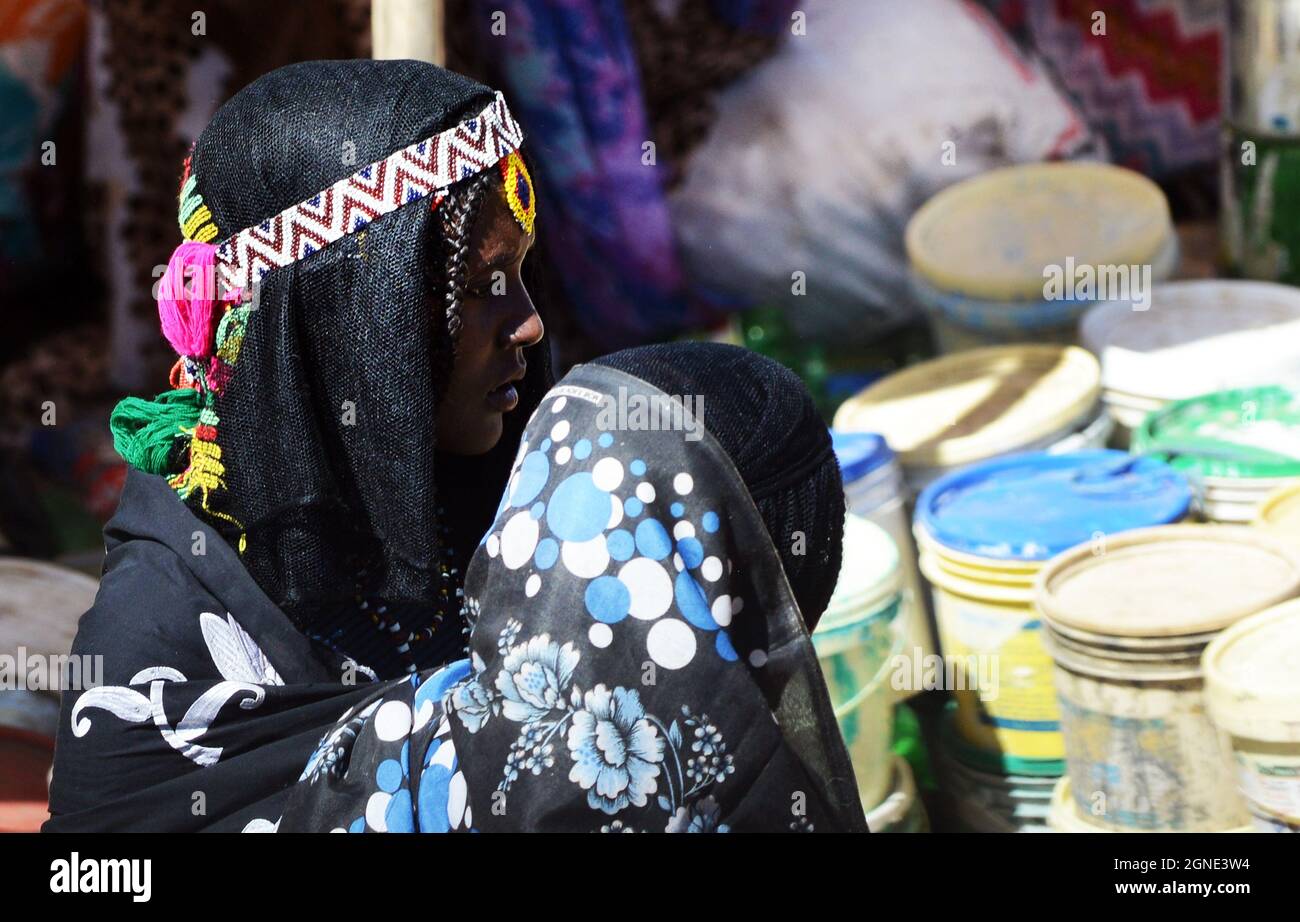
[187, 299]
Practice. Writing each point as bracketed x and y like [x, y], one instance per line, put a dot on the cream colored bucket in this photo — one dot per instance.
[978, 250]
[1068, 815]
[875, 490]
[856, 641]
[1252, 687]
[1127, 623]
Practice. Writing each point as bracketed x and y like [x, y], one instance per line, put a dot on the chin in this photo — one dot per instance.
[480, 438]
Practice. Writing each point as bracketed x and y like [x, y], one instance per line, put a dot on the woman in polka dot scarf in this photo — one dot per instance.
[640, 607]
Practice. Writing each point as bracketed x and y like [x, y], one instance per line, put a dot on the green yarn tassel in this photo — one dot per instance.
[145, 431]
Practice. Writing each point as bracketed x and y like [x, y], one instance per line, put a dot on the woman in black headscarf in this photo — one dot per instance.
[358, 357]
[640, 656]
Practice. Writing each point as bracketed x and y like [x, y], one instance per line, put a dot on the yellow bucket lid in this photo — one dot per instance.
[976, 404]
[1167, 581]
[991, 236]
[1252, 676]
[1281, 509]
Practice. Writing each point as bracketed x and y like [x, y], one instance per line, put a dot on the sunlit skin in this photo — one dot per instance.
[498, 321]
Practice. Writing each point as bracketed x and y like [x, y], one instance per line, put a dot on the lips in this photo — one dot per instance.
[505, 396]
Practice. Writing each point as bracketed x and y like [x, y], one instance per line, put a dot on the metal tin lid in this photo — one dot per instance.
[1246, 433]
[976, 404]
[1252, 676]
[1034, 506]
[1200, 335]
[1173, 581]
[993, 235]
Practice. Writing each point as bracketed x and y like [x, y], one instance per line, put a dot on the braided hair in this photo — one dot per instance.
[458, 212]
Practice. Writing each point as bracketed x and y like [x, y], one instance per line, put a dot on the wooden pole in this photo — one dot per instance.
[408, 29]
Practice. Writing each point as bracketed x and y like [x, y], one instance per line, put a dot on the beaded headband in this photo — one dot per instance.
[424, 168]
[203, 294]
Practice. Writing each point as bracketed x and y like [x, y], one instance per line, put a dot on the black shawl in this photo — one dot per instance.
[638, 662]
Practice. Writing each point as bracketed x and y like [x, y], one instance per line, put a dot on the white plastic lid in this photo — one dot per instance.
[1198, 336]
[1169, 581]
[1252, 676]
[869, 573]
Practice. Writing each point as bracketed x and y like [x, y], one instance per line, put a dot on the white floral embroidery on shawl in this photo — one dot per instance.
[238, 659]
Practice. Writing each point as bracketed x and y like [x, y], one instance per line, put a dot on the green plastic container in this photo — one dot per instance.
[1236, 446]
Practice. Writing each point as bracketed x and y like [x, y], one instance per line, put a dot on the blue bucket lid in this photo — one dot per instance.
[859, 453]
[1033, 506]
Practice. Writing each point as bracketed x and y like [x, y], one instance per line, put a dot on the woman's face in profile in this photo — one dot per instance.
[498, 321]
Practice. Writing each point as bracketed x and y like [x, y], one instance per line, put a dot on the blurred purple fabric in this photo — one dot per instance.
[570, 71]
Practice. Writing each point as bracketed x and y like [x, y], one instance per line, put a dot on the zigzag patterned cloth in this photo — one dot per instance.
[1150, 84]
[415, 172]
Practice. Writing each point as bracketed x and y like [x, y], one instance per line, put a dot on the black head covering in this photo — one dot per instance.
[764, 418]
[327, 427]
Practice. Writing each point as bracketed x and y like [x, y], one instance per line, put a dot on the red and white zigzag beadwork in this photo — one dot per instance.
[424, 168]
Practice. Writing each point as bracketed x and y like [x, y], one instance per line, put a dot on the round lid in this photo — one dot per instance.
[1200, 335]
[991, 236]
[1252, 673]
[1171, 581]
[1251, 432]
[976, 404]
[869, 573]
[859, 453]
[40, 605]
[1033, 506]
[1281, 509]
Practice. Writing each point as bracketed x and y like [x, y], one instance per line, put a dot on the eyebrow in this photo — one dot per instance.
[507, 258]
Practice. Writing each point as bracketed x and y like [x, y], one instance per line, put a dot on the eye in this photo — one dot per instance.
[479, 288]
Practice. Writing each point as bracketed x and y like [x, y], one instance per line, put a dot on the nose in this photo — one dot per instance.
[524, 328]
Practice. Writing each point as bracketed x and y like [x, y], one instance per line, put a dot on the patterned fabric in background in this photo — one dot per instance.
[154, 83]
[1150, 85]
[573, 78]
[40, 41]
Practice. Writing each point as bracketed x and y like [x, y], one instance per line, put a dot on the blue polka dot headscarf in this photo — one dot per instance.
[632, 580]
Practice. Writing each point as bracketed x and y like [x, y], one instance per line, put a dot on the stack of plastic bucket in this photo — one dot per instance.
[1199, 336]
[987, 794]
[960, 409]
[1237, 447]
[874, 489]
[1127, 621]
[982, 251]
[1252, 688]
[856, 641]
[984, 533]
